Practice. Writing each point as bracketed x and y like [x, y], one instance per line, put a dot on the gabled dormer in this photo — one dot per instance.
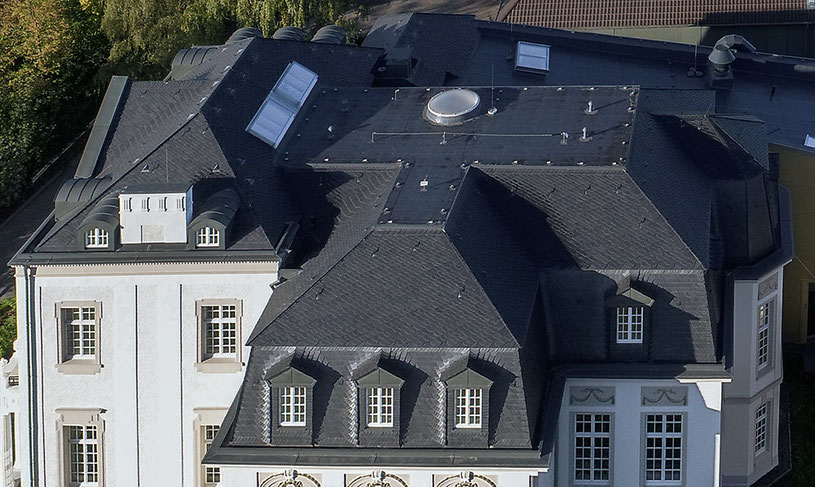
[629, 319]
[468, 402]
[378, 402]
[291, 412]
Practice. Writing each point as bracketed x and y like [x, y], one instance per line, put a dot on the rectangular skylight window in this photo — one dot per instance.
[277, 112]
[809, 141]
[532, 57]
[271, 121]
[295, 83]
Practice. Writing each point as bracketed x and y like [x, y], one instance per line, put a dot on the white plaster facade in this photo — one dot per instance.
[626, 401]
[149, 392]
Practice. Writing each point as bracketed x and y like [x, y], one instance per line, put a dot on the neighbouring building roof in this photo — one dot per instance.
[603, 14]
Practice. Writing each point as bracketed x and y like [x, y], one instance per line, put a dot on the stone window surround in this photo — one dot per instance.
[214, 365]
[684, 457]
[78, 366]
[767, 291]
[80, 417]
[204, 417]
[572, 434]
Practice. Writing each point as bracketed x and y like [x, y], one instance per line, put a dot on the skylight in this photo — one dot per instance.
[809, 141]
[532, 57]
[277, 112]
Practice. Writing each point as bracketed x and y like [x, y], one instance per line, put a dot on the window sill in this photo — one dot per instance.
[219, 366]
[79, 367]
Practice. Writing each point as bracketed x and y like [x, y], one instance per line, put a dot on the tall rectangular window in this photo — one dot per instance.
[629, 324]
[79, 329]
[765, 324]
[380, 406]
[220, 325]
[468, 408]
[83, 455]
[761, 428]
[211, 475]
[592, 447]
[663, 449]
[293, 406]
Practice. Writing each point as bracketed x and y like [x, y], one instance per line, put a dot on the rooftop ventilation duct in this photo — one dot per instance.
[719, 74]
[721, 57]
[76, 192]
[330, 34]
[186, 59]
[451, 107]
[244, 33]
[289, 33]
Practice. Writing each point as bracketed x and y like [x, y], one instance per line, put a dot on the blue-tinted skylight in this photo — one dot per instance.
[532, 57]
[277, 112]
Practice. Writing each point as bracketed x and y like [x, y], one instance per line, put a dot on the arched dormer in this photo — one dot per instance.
[99, 230]
[211, 228]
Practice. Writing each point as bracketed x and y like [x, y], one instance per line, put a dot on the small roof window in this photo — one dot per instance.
[277, 112]
[532, 57]
[809, 141]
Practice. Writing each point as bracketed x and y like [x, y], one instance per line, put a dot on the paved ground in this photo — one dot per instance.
[483, 9]
[16, 229]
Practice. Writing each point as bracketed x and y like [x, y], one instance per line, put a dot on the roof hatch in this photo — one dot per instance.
[532, 57]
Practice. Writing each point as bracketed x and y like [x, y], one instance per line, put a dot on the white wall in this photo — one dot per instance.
[338, 477]
[148, 324]
[702, 425]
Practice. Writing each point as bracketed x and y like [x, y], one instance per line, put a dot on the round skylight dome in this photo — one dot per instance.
[451, 107]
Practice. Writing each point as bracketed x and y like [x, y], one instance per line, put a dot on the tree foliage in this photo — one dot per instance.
[49, 53]
[145, 34]
[8, 326]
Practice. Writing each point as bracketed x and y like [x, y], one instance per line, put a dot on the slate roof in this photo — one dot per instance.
[496, 238]
[603, 14]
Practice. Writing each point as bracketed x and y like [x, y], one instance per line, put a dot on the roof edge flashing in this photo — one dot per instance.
[101, 127]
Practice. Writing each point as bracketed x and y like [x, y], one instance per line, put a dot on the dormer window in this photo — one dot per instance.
[629, 324]
[468, 408]
[380, 407]
[96, 238]
[208, 237]
[293, 406]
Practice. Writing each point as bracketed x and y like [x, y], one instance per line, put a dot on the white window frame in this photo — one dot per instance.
[96, 238]
[220, 326]
[761, 426]
[662, 445]
[380, 407]
[587, 444]
[765, 323]
[292, 405]
[79, 336]
[468, 407]
[82, 454]
[220, 345]
[630, 324]
[207, 237]
[210, 476]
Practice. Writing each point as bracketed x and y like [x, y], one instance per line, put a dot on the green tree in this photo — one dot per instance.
[50, 51]
[8, 326]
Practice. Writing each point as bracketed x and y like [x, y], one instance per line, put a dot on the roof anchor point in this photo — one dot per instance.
[590, 109]
[585, 137]
[564, 138]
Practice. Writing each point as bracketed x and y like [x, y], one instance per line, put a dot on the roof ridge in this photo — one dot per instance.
[257, 332]
[480, 287]
[667, 222]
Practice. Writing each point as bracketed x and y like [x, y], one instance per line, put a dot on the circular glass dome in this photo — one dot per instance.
[451, 107]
